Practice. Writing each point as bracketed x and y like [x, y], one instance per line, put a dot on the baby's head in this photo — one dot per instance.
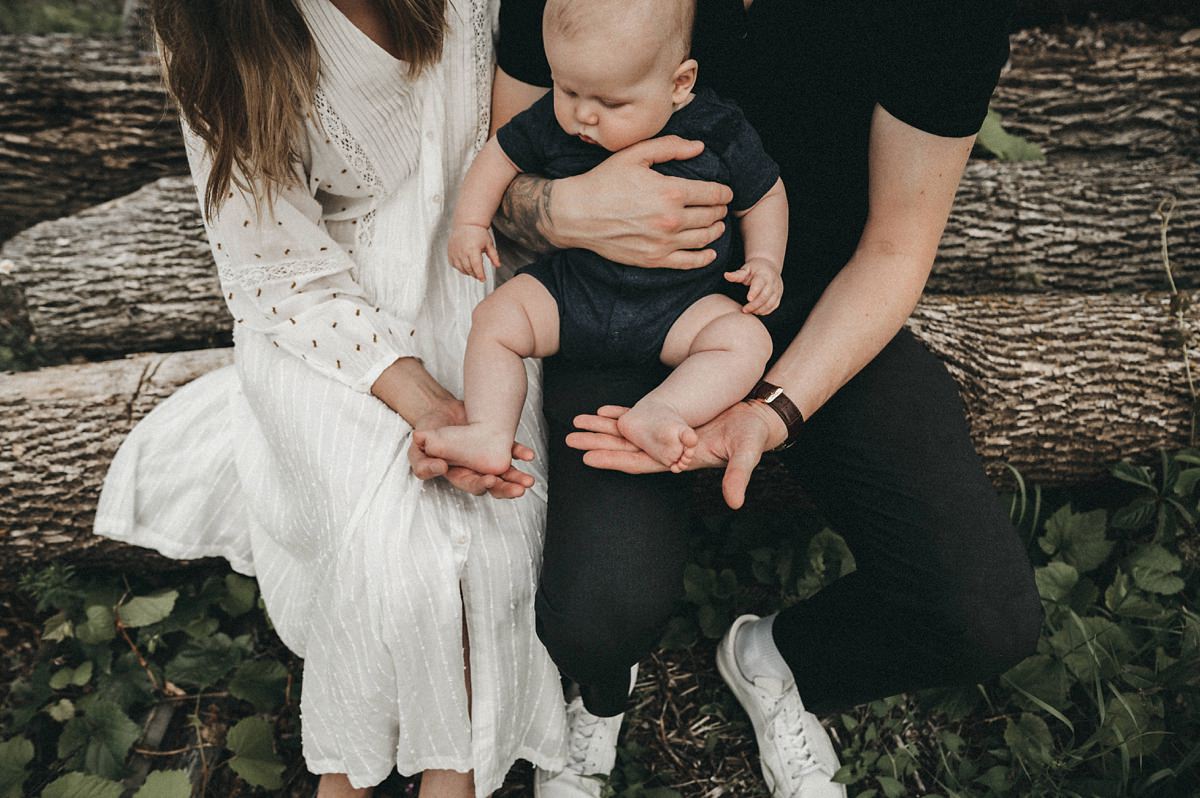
[620, 67]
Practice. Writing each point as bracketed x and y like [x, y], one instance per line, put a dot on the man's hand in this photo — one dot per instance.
[510, 485]
[625, 211]
[765, 282]
[735, 439]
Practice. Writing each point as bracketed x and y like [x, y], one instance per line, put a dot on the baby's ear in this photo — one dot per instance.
[684, 79]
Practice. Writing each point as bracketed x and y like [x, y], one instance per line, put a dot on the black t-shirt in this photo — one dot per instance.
[807, 74]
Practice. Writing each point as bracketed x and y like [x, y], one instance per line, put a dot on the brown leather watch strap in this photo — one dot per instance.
[774, 397]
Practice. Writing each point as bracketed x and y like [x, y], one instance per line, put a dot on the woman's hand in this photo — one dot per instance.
[510, 485]
[625, 211]
[736, 439]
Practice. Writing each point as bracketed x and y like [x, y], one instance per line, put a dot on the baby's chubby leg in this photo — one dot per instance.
[719, 353]
[517, 320]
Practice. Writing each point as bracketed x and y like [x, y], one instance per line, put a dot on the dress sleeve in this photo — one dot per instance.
[939, 60]
[284, 276]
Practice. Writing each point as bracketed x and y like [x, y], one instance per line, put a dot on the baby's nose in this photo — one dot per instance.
[586, 114]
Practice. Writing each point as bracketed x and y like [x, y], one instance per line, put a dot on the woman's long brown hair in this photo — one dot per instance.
[244, 72]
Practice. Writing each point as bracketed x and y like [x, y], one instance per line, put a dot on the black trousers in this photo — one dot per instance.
[943, 592]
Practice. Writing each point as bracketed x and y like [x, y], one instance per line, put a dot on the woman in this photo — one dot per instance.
[327, 139]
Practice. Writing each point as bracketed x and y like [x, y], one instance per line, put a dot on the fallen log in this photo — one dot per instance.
[136, 273]
[1042, 12]
[1058, 386]
[1120, 90]
[82, 120]
[133, 274]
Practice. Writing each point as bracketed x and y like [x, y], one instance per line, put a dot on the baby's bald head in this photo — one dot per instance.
[665, 25]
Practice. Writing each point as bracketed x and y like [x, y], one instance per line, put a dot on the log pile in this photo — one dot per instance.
[1048, 301]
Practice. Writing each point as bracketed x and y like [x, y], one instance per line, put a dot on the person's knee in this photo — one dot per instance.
[999, 627]
[596, 643]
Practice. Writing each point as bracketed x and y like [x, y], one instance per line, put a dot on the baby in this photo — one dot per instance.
[621, 75]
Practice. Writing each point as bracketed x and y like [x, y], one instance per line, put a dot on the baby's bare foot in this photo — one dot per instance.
[481, 448]
[658, 430]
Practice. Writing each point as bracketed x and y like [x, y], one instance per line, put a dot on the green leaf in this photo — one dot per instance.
[698, 583]
[145, 610]
[713, 622]
[61, 678]
[260, 682]
[166, 784]
[1004, 145]
[99, 739]
[255, 760]
[680, 633]
[1133, 474]
[1091, 647]
[83, 674]
[1041, 676]
[99, 626]
[1123, 599]
[82, 785]
[1137, 514]
[1077, 538]
[202, 663]
[241, 595]
[62, 711]
[58, 627]
[15, 754]
[829, 556]
[1154, 570]
[1129, 721]
[1029, 737]
[727, 584]
[1056, 581]
[891, 787]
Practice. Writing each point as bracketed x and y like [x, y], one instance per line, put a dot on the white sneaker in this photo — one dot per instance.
[797, 756]
[591, 754]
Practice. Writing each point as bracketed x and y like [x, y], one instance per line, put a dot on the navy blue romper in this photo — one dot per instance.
[610, 312]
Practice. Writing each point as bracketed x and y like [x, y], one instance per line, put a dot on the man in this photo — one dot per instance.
[871, 109]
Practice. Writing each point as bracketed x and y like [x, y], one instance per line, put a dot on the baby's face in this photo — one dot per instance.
[610, 94]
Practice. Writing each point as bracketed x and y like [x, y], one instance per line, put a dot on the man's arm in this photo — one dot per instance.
[913, 179]
[622, 209]
[913, 176]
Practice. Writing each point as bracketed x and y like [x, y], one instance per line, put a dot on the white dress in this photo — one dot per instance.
[287, 466]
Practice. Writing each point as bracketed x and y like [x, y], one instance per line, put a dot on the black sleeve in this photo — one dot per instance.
[520, 52]
[752, 171]
[938, 60]
[524, 137]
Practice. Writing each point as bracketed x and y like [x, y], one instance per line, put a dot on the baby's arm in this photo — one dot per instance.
[482, 190]
[764, 228]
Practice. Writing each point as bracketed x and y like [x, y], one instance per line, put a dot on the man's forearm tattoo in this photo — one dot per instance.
[524, 216]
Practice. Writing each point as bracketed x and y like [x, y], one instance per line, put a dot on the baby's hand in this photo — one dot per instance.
[468, 242]
[766, 286]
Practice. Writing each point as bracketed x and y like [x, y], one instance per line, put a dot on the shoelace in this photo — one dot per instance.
[583, 729]
[786, 728]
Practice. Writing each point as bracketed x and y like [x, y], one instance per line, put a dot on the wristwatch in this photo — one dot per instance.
[774, 397]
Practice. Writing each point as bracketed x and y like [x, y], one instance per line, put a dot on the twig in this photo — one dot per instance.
[1179, 304]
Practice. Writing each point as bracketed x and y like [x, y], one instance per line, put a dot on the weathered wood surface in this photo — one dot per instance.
[1041, 12]
[133, 274]
[1083, 227]
[1118, 90]
[85, 120]
[136, 273]
[1060, 386]
[82, 120]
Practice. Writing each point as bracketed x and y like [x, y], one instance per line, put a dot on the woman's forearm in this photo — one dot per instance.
[407, 388]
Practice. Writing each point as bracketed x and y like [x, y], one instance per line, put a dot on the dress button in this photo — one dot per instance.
[436, 199]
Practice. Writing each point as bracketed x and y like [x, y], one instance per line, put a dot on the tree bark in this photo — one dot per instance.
[82, 120]
[85, 120]
[133, 274]
[1114, 91]
[1060, 386]
[136, 273]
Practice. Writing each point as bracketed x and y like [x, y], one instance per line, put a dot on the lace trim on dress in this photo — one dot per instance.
[482, 33]
[254, 276]
[351, 150]
[366, 230]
